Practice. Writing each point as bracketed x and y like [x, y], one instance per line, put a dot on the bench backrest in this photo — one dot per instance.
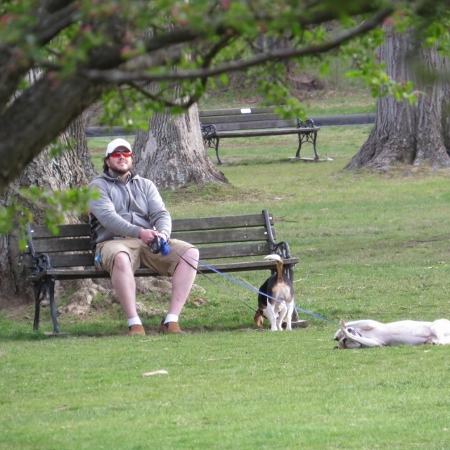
[245, 119]
[216, 237]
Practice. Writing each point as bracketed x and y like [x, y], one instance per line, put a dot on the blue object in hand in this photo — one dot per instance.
[164, 247]
[98, 258]
[159, 245]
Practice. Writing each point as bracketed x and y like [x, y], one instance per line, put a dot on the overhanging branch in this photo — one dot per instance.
[50, 25]
[119, 76]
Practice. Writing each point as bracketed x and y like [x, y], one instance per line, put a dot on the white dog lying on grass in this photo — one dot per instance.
[370, 333]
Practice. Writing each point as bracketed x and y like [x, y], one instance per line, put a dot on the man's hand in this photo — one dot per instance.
[147, 236]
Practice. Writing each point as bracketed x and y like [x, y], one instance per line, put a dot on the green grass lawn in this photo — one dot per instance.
[371, 246]
[223, 390]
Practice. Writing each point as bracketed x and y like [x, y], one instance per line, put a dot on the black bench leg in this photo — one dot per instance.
[39, 294]
[297, 155]
[217, 151]
[314, 138]
[310, 137]
[51, 292]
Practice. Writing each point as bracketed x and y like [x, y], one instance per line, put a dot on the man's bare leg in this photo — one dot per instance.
[182, 280]
[124, 284]
[122, 279]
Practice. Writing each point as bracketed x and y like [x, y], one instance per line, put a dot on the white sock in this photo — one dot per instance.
[171, 318]
[134, 321]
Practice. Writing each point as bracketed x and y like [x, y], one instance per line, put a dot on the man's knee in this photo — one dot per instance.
[122, 261]
[192, 254]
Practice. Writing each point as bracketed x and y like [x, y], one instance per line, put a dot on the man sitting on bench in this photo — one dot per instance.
[126, 218]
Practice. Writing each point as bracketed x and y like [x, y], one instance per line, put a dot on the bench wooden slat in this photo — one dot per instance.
[61, 274]
[271, 125]
[66, 260]
[209, 252]
[234, 111]
[235, 251]
[206, 223]
[211, 223]
[61, 245]
[248, 120]
[218, 236]
[57, 244]
[254, 133]
[75, 230]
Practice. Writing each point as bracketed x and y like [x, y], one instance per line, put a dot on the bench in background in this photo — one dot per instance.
[228, 243]
[250, 122]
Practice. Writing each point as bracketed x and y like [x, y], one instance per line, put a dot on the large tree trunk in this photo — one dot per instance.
[65, 172]
[172, 154]
[412, 135]
[85, 164]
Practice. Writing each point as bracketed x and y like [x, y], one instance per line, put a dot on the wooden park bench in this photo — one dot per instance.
[250, 122]
[228, 244]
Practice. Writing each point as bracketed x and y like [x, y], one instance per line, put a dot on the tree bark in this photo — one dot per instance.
[70, 170]
[172, 154]
[412, 135]
[76, 133]
[33, 121]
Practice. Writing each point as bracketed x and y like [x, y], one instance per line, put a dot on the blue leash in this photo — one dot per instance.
[257, 291]
[243, 284]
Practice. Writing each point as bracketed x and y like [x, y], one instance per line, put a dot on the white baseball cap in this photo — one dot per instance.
[115, 144]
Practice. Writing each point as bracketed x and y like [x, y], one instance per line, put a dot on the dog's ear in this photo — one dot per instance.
[343, 325]
[259, 318]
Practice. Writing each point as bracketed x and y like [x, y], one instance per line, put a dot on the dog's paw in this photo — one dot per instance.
[343, 325]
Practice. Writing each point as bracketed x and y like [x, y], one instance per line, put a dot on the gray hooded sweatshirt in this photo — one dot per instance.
[124, 208]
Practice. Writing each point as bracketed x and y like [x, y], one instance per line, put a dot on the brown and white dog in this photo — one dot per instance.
[280, 288]
[370, 333]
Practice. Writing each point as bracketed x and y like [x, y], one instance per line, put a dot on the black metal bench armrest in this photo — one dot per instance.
[308, 123]
[280, 248]
[40, 263]
[208, 131]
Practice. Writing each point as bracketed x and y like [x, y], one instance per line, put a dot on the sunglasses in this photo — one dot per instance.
[117, 155]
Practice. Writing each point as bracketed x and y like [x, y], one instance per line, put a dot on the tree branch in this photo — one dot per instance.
[15, 63]
[50, 25]
[118, 76]
[186, 103]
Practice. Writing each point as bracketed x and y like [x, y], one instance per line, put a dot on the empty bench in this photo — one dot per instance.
[251, 122]
[228, 244]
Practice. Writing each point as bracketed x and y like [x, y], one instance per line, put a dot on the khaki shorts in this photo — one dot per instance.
[140, 255]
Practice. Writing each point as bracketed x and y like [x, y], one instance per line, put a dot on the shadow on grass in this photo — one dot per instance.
[13, 331]
[22, 330]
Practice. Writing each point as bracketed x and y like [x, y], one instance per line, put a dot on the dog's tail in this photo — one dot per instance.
[279, 260]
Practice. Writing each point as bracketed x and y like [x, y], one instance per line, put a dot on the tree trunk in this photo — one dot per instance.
[64, 172]
[172, 154]
[412, 135]
[76, 133]
[27, 129]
